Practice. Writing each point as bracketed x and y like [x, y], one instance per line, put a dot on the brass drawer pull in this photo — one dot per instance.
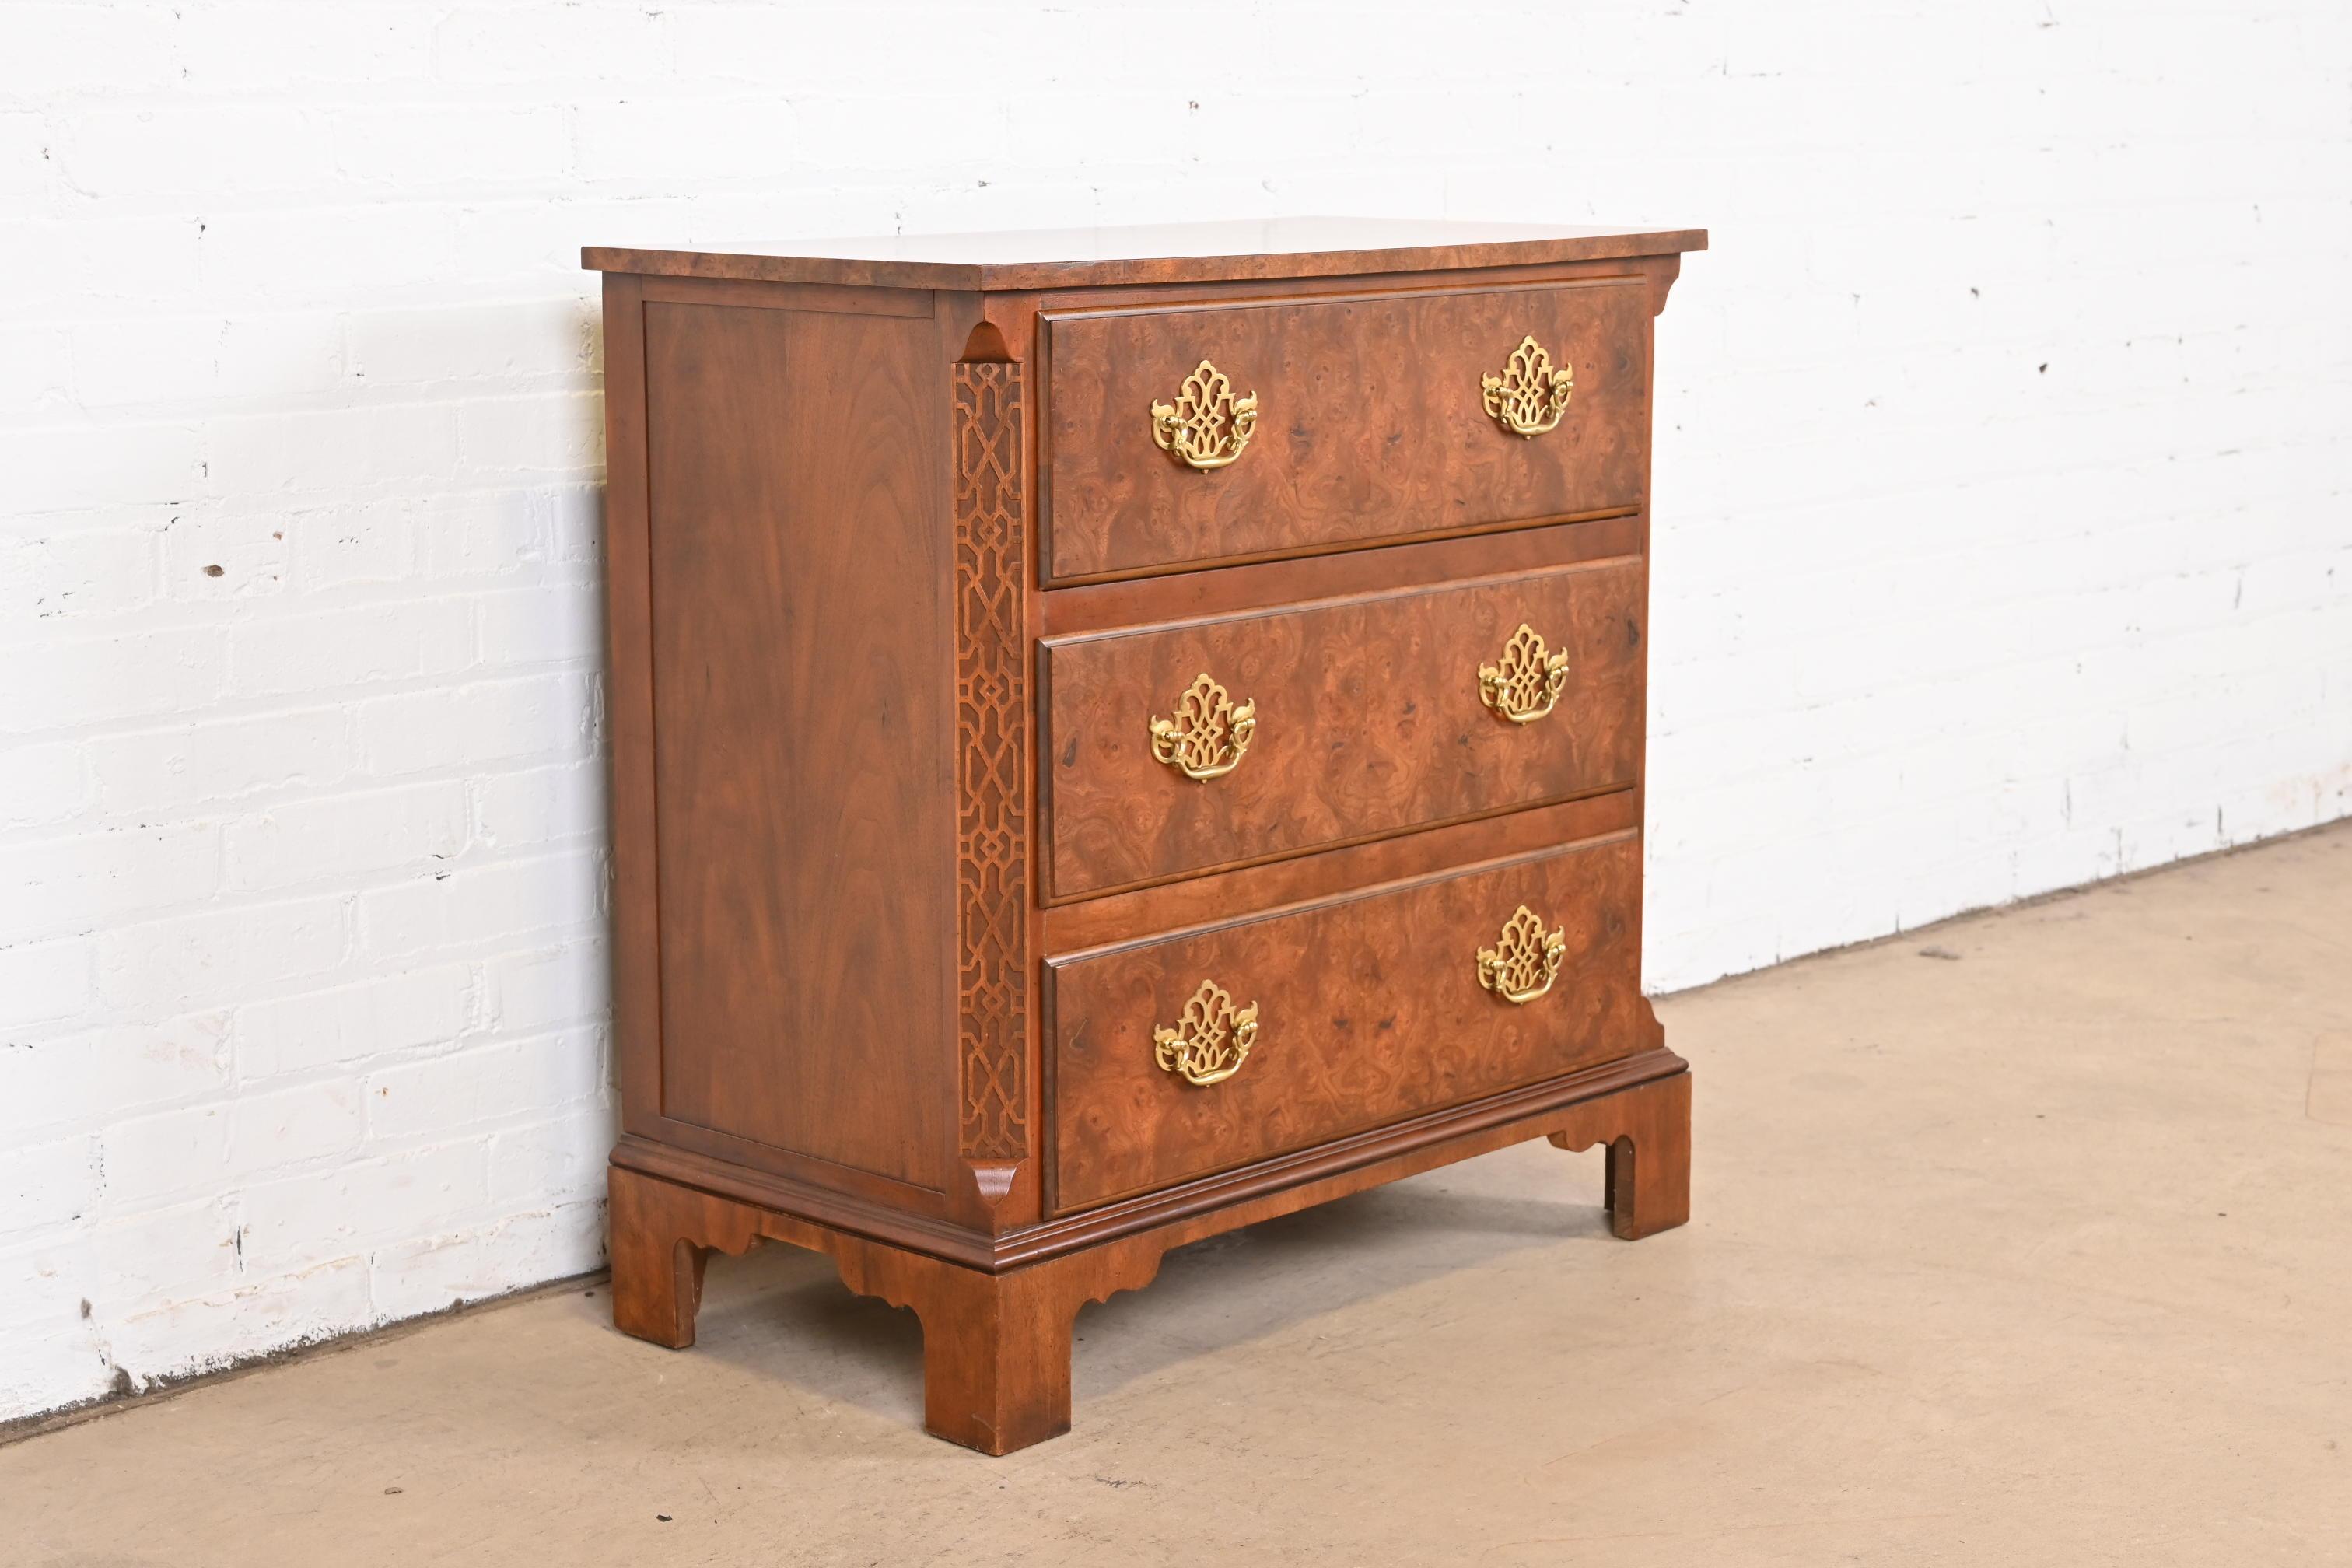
[1526, 684]
[1207, 426]
[1210, 733]
[1529, 396]
[1524, 962]
[1212, 1037]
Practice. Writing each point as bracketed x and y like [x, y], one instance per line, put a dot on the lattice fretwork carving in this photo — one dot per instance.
[991, 718]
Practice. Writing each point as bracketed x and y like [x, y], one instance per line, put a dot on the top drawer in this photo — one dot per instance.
[1371, 421]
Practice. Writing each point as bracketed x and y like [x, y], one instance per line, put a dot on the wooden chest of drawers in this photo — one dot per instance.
[1117, 736]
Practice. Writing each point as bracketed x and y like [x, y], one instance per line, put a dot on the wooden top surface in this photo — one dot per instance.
[1154, 253]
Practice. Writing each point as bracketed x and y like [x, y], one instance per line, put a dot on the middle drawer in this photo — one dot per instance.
[1181, 748]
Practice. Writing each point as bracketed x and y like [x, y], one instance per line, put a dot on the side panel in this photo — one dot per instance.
[803, 658]
[629, 710]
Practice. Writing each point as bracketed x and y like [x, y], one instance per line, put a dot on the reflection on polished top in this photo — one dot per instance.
[1151, 252]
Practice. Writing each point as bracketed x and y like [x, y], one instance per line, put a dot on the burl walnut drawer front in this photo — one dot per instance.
[1177, 748]
[1190, 434]
[1181, 1057]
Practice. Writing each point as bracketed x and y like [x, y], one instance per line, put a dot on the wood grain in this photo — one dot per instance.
[1370, 426]
[1370, 1011]
[629, 710]
[1220, 252]
[1190, 901]
[1368, 721]
[1193, 593]
[804, 732]
[1646, 1183]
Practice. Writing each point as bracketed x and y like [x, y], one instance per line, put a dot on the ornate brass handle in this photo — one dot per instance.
[1212, 1037]
[1210, 733]
[1522, 965]
[1529, 396]
[1526, 684]
[1207, 425]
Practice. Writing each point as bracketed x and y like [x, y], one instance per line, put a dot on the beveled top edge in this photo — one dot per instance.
[1226, 251]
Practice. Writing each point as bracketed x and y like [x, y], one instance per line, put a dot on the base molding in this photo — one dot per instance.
[1399, 1148]
[997, 1324]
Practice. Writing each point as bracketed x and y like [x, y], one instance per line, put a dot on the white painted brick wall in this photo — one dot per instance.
[2003, 534]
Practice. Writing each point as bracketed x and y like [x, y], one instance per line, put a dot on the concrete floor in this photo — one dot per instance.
[2024, 1240]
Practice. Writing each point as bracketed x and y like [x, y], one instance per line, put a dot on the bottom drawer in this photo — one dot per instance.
[1311, 1024]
